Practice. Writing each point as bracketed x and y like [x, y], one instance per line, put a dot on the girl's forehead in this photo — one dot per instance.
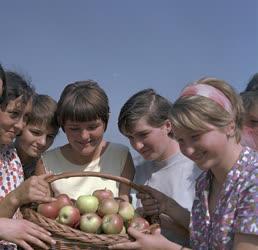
[16, 104]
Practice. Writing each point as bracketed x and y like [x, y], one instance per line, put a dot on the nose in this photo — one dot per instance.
[136, 144]
[187, 150]
[42, 140]
[85, 134]
[19, 125]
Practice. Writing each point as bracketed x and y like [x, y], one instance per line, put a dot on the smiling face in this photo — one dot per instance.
[35, 139]
[152, 143]
[12, 120]
[206, 149]
[84, 137]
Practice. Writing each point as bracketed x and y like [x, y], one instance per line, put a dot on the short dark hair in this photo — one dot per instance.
[250, 99]
[253, 83]
[145, 103]
[83, 101]
[43, 112]
[17, 86]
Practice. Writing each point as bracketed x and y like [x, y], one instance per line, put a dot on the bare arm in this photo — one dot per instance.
[34, 189]
[245, 242]
[128, 172]
[24, 233]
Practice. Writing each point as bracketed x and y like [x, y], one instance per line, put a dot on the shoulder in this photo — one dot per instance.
[9, 153]
[51, 152]
[188, 166]
[117, 147]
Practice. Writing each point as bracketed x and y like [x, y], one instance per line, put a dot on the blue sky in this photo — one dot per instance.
[129, 45]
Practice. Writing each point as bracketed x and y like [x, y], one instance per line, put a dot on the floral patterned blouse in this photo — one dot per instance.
[236, 210]
[11, 176]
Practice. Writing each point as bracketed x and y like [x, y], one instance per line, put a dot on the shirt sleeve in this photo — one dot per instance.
[247, 210]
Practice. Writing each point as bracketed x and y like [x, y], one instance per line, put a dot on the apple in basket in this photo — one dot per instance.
[103, 194]
[112, 224]
[90, 223]
[69, 215]
[126, 210]
[139, 223]
[108, 206]
[51, 209]
[87, 204]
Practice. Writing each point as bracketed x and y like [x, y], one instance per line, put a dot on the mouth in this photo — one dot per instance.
[198, 157]
[85, 143]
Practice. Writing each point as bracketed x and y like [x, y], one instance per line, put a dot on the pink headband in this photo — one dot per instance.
[210, 92]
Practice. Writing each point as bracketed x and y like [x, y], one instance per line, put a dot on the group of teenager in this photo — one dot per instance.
[200, 173]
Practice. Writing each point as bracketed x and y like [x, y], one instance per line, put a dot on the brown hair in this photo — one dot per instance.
[195, 112]
[146, 103]
[43, 112]
[250, 99]
[83, 101]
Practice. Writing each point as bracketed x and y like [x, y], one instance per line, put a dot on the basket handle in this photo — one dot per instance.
[154, 219]
[96, 174]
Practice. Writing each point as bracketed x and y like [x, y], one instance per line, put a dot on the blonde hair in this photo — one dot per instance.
[195, 112]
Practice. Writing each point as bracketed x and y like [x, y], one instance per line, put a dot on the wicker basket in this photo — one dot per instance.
[70, 238]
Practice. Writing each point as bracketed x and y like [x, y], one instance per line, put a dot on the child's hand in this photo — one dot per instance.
[34, 189]
[23, 233]
[153, 202]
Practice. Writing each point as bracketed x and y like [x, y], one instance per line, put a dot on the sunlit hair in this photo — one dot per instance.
[250, 99]
[144, 104]
[196, 112]
[83, 101]
[43, 112]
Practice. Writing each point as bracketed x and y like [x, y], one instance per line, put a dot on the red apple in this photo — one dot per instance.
[102, 194]
[63, 200]
[87, 204]
[69, 215]
[112, 224]
[126, 210]
[139, 223]
[90, 223]
[108, 206]
[49, 210]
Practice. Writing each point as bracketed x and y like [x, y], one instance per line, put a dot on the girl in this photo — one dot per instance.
[144, 120]
[83, 113]
[13, 193]
[207, 121]
[38, 134]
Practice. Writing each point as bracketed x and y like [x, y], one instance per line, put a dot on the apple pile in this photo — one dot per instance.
[96, 213]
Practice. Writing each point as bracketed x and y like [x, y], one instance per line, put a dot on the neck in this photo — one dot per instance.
[172, 148]
[76, 158]
[231, 155]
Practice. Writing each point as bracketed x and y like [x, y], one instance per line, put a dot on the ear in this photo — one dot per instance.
[168, 126]
[231, 129]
